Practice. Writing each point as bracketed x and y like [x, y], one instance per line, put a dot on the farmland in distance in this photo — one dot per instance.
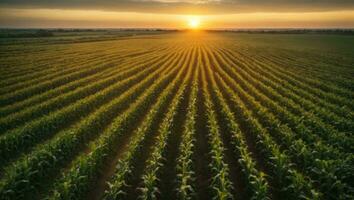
[180, 115]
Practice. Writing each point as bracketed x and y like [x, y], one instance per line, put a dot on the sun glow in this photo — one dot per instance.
[194, 23]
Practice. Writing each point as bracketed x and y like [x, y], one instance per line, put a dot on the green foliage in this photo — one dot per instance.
[77, 114]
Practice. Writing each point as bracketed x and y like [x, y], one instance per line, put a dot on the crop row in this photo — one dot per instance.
[63, 99]
[338, 86]
[290, 179]
[300, 95]
[293, 67]
[54, 92]
[124, 168]
[308, 158]
[58, 61]
[62, 78]
[299, 82]
[69, 187]
[330, 113]
[50, 157]
[150, 178]
[255, 178]
[310, 120]
[221, 185]
[31, 66]
[288, 118]
[24, 137]
[185, 173]
[67, 66]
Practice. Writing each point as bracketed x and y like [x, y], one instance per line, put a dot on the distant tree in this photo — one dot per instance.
[43, 33]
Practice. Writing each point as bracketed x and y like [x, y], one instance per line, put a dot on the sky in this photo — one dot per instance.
[211, 14]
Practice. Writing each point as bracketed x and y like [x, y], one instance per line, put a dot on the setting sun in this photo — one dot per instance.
[194, 23]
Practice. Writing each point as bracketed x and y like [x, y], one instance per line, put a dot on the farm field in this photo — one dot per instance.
[188, 115]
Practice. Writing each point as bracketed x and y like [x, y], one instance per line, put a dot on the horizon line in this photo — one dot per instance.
[203, 29]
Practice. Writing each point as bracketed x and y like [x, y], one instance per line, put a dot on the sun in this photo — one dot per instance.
[194, 23]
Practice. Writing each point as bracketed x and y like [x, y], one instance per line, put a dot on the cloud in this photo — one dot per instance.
[187, 6]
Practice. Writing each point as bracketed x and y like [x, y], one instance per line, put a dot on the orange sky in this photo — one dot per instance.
[62, 16]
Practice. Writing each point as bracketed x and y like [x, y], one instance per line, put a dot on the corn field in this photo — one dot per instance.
[178, 116]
